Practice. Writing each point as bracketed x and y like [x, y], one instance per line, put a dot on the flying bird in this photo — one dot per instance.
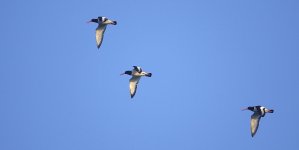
[136, 74]
[259, 111]
[100, 30]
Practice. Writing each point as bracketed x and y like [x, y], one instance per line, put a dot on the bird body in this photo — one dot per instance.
[259, 111]
[136, 74]
[100, 30]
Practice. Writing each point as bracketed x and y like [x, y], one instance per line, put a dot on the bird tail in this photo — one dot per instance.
[148, 74]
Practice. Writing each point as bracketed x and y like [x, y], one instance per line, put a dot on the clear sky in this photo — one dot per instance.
[209, 59]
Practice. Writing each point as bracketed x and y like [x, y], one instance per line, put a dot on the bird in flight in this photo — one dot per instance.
[136, 74]
[258, 112]
[100, 30]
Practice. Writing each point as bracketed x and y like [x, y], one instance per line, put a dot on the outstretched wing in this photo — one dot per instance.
[133, 85]
[100, 34]
[254, 123]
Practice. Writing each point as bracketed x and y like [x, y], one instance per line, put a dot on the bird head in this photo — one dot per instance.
[127, 72]
[93, 20]
[248, 108]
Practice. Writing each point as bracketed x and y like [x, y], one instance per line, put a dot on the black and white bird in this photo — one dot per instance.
[136, 74]
[100, 30]
[259, 111]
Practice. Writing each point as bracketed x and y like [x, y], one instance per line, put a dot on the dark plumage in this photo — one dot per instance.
[100, 30]
[259, 111]
[136, 74]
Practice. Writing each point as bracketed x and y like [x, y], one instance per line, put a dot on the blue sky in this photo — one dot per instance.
[209, 59]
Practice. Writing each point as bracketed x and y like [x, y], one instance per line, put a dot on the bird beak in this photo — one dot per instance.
[244, 109]
[122, 74]
[88, 22]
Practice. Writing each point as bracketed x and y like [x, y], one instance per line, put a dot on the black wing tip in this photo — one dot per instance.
[132, 96]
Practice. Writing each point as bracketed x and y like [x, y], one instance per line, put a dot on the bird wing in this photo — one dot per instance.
[254, 123]
[133, 85]
[138, 69]
[100, 34]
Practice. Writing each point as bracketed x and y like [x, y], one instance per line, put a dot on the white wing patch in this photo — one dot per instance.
[133, 85]
[100, 34]
[254, 123]
[137, 69]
